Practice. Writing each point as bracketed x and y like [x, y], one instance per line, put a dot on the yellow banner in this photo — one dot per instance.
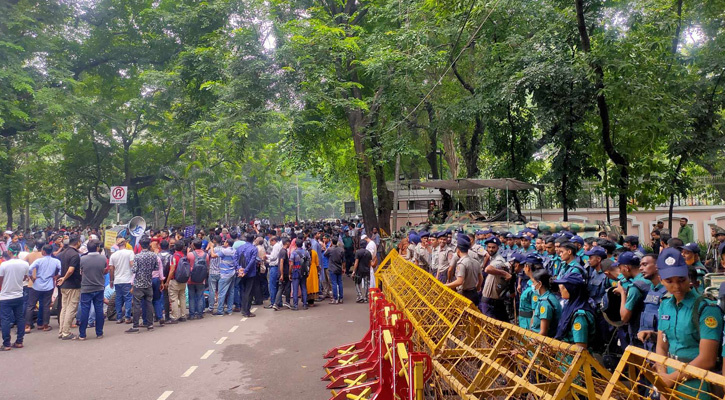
[109, 239]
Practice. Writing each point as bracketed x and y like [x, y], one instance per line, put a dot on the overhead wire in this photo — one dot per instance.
[454, 61]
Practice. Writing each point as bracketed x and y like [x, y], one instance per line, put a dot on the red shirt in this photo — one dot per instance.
[192, 256]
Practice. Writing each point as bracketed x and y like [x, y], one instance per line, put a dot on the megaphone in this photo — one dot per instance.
[137, 226]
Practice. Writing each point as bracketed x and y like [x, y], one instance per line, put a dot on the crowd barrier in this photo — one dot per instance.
[477, 357]
[382, 365]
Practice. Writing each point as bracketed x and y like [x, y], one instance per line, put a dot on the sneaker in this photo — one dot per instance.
[274, 307]
[339, 301]
[149, 327]
[359, 301]
[287, 305]
[217, 314]
[120, 321]
[172, 322]
[132, 330]
[269, 306]
[365, 300]
[162, 322]
[333, 301]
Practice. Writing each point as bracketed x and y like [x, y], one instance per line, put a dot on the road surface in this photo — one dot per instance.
[276, 355]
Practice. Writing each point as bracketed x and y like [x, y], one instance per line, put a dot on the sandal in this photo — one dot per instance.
[46, 328]
[80, 338]
[18, 345]
[4, 348]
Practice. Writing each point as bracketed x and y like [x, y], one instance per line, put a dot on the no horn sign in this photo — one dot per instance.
[119, 194]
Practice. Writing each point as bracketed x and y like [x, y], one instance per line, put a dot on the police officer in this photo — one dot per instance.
[422, 253]
[468, 278]
[650, 314]
[492, 305]
[546, 309]
[526, 246]
[576, 324]
[598, 280]
[689, 328]
[570, 263]
[528, 297]
[691, 254]
[632, 288]
[579, 243]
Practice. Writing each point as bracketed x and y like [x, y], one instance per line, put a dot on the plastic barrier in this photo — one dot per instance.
[382, 365]
[476, 357]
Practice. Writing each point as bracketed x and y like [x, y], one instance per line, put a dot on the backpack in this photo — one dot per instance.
[305, 265]
[201, 269]
[183, 270]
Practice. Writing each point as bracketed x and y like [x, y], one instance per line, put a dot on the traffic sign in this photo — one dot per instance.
[119, 194]
[349, 207]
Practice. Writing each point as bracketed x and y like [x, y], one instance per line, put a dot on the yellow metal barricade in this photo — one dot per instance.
[477, 357]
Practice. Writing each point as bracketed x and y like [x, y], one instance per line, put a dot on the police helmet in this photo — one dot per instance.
[610, 307]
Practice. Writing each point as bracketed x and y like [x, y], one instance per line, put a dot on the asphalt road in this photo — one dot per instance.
[276, 355]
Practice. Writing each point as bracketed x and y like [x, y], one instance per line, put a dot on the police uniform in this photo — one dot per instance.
[573, 267]
[701, 272]
[582, 328]
[684, 324]
[634, 302]
[526, 305]
[598, 284]
[469, 270]
[546, 307]
[526, 251]
[650, 313]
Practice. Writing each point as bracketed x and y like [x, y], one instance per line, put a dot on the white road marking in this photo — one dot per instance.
[220, 341]
[165, 395]
[254, 309]
[207, 354]
[189, 371]
[243, 319]
[234, 328]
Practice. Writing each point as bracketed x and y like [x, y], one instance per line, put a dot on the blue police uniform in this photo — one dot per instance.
[650, 313]
[598, 284]
[573, 267]
[546, 307]
[526, 251]
[582, 328]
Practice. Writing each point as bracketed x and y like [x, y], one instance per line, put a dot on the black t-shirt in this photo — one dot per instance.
[69, 257]
[364, 258]
[336, 257]
[284, 263]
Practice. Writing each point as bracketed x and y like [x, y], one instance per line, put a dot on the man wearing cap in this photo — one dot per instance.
[468, 274]
[650, 315]
[12, 274]
[569, 261]
[434, 249]
[526, 246]
[598, 280]
[677, 336]
[492, 304]
[632, 290]
[712, 259]
[691, 254]
[445, 256]
[422, 255]
[579, 243]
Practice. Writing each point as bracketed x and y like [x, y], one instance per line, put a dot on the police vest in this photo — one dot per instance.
[650, 313]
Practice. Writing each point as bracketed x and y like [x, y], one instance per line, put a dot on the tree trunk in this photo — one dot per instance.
[432, 142]
[363, 170]
[617, 158]
[449, 147]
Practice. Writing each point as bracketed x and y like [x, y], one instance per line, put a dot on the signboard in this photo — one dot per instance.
[349, 207]
[109, 239]
[119, 194]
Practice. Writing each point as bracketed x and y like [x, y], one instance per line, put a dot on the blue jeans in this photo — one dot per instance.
[196, 298]
[158, 299]
[94, 299]
[12, 311]
[123, 299]
[273, 278]
[225, 294]
[336, 280]
[213, 283]
[298, 283]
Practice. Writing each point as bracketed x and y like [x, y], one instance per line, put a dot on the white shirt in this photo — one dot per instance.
[121, 261]
[13, 273]
[274, 255]
[372, 248]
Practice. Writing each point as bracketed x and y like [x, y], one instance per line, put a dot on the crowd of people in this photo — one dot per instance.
[602, 293]
[171, 276]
